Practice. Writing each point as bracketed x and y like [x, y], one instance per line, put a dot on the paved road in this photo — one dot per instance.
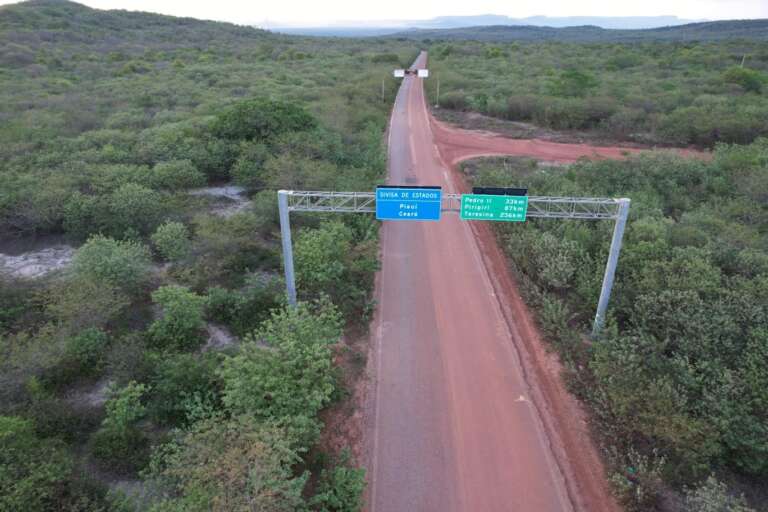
[454, 424]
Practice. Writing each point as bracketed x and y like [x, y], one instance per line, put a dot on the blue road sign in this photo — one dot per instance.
[408, 203]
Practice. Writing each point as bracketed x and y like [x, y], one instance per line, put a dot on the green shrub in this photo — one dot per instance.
[179, 379]
[749, 79]
[122, 451]
[133, 209]
[264, 207]
[15, 301]
[83, 215]
[129, 359]
[573, 83]
[284, 371]
[124, 407]
[182, 322]
[638, 484]
[623, 60]
[88, 349]
[494, 52]
[286, 171]
[385, 58]
[83, 356]
[122, 264]
[243, 310]
[713, 496]
[214, 157]
[221, 465]
[176, 175]
[454, 100]
[32, 470]
[261, 119]
[319, 257]
[55, 418]
[523, 108]
[171, 240]
[226, 249]
[340, 489]
[118, 444]
[85, 301]
[248, 170]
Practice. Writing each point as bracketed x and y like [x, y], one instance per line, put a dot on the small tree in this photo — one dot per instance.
[124, 408]
[749, 79]
[573, 83]
[319, 257]
[341, 487]
[223, 465]
[118, 442]
[176, 175]
[289, 380]
[328, 261]
[182, 320]
[172, 240]
[83, 302]
[122, 264]
[87, 349]
[713, 496]
[261, 119]
[82, 215]
[249, 168]
[32, 470]
[133, 209]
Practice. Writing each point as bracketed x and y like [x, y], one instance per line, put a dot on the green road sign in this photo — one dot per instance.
[487, 207]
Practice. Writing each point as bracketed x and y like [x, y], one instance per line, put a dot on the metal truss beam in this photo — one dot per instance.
[541, 207]
[340, 202]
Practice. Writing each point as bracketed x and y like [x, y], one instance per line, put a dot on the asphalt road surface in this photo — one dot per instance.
[455, 426]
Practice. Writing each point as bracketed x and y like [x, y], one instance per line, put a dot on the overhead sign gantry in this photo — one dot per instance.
[397, 203]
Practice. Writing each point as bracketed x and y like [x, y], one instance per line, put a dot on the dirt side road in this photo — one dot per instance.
[456, 144]
[468, 412]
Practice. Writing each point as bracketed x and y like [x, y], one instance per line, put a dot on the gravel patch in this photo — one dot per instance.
[34, 264]
[230, 199]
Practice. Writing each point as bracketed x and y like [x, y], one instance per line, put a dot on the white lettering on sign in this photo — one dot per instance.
[425, 195]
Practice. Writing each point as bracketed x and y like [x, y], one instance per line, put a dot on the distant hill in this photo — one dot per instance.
[337, 31]
[707, 31]
[361, 29]
[52, 22]
[625, 22]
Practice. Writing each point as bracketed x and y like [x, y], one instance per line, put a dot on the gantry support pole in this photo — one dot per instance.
[610, 267]
[285, 235]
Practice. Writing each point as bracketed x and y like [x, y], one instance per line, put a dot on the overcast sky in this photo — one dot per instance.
[314, 12]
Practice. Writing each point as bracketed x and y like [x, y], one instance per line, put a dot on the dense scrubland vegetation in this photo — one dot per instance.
[110, 378]
[704, 31]
[681, 93]
[677, 383]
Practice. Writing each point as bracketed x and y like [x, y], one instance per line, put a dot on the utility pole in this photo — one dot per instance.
[285, 235]
[610, 267]
[437, 100]
[382, 90]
